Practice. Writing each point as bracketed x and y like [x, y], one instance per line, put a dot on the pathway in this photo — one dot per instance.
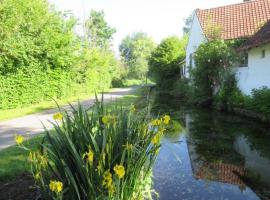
[32, 124]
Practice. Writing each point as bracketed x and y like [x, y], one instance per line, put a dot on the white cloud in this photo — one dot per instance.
[158, 18]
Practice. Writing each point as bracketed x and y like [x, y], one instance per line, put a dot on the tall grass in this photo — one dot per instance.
[99, 154]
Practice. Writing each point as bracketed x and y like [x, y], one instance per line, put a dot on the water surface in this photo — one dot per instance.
[215, 156]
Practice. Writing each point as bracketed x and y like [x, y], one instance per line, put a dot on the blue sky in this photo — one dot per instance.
[158, 18]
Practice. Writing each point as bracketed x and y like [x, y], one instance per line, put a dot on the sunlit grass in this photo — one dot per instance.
[13, 159]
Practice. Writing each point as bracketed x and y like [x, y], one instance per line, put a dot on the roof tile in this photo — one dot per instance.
[238, 20]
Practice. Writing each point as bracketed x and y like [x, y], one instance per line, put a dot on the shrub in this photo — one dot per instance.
[104, 154]
[213, 61]
[259, 101]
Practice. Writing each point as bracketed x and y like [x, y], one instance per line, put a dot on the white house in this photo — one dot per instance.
[237, 21]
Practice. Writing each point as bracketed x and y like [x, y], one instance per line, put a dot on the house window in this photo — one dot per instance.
[244, 60]
[263, 53]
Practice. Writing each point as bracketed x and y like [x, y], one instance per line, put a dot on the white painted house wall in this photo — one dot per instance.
[196, 38]
[257, 74]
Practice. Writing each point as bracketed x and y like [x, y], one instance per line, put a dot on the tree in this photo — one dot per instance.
[165, 59]
[33, 34]
[188, 23]
[98, 31]
[135, 49]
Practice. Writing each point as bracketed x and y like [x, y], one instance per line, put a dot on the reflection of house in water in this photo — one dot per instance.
[220, 172]
[242, 163]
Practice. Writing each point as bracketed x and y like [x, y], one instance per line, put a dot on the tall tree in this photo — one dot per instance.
[98, 31]
[135, 50]
[164, 61]
[188, 23]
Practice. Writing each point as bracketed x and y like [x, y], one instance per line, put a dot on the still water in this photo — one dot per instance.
[213, 156]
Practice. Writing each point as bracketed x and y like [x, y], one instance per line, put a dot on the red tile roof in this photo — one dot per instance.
[260, 38]
[238, 20]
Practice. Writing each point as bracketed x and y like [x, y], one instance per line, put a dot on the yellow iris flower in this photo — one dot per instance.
[57, 116]
[119, 171]
[19, 139]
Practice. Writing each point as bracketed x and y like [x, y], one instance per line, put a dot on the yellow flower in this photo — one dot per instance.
[107, 179]
[19, 139]
[132, 108]
[89, 156]
[59, 186]
[52, 186]
[56, 186]
[119, 170]
[156, 139]
[166, 119]
[105, 119]
[58, 116]
[156, 122]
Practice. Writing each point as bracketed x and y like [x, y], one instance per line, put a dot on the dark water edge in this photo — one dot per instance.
[213, 156]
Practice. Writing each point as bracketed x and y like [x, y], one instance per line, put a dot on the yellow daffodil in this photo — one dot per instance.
[56, 186]
[89, 156]
[166, 119]
[58, 116]
[119, 170]
[19, 139]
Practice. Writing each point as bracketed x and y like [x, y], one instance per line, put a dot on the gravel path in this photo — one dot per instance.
[32, 124]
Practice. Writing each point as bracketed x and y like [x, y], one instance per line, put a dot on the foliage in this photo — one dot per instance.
[41, 57]
[104, 154]
[229, 95]
[165, 59]
[259, 101]
[34, 35]
[135, 49]
[213, 61]
[188, 23]
[98, 31]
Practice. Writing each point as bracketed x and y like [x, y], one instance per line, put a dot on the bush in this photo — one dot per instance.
[98, 155]
[259, 101]
[213, 62]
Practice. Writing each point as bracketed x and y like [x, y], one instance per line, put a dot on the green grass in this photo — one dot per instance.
[13, 160]
[31, 109]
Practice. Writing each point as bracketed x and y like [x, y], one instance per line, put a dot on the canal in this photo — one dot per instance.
[211, 155]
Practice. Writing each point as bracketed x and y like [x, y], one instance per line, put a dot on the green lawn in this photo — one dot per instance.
[13, 160]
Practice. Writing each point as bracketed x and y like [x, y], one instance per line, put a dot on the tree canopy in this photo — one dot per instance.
[165, 60]
[99, 33]
[135, 49]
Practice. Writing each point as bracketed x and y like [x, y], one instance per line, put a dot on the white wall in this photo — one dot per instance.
[196, 38]
[257, 74]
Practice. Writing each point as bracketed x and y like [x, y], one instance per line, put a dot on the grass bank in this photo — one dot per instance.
[13, 160]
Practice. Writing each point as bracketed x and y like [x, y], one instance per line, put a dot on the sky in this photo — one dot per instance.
[157, 18]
